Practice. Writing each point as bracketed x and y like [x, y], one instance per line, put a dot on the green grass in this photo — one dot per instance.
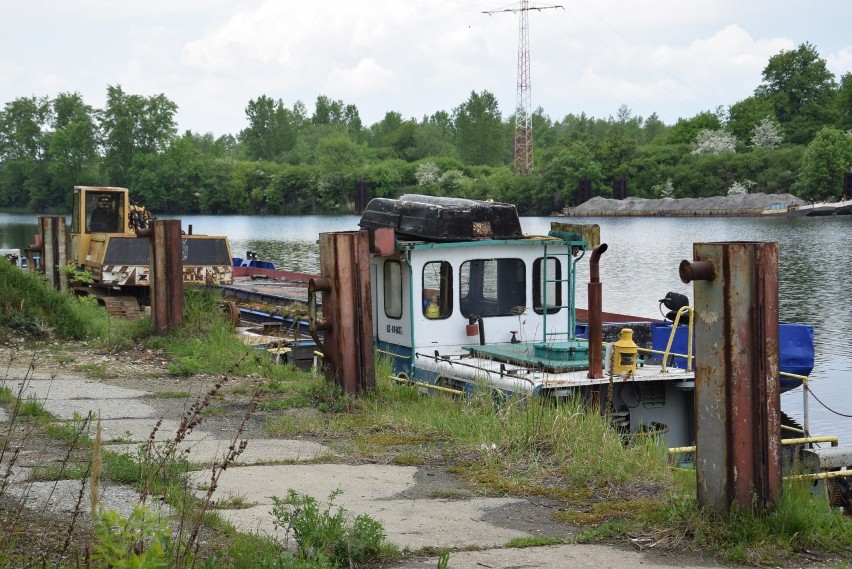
[533, 541]
[32, 408]
[801, 521]
[95, 371]
[6, 396]
[71, 432]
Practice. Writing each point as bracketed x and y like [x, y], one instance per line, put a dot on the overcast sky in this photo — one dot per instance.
[673, 57]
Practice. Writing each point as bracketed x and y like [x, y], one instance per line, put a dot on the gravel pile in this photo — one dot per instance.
[744, 204]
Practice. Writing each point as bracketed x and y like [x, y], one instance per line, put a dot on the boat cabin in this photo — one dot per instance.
[465, 300]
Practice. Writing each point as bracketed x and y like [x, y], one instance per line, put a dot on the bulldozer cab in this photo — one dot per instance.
[99, 210]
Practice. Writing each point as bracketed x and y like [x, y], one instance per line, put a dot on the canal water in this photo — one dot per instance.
[638, 269]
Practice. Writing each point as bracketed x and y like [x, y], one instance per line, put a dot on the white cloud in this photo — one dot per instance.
[840, 62]
[366, 77]
[414, 56]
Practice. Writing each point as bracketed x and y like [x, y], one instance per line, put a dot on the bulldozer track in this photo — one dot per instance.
[121, 306]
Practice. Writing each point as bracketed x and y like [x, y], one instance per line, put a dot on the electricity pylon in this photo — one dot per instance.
[523, 162]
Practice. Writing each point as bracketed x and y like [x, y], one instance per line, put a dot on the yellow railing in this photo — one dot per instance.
[833, 439]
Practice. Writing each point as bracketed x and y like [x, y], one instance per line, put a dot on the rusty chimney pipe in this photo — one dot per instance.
[596, 314]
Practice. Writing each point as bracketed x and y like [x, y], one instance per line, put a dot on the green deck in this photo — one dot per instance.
[554, 357]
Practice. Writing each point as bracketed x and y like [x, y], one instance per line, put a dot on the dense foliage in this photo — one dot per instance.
[792, 135]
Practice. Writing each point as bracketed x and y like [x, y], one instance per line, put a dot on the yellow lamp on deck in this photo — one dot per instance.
[625, 352]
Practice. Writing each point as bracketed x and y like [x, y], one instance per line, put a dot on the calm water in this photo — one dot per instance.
[640, 266]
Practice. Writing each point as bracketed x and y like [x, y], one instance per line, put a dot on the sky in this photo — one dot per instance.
[675, 58]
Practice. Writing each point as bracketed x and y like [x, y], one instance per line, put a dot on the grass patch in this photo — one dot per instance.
[800, 522]
[6, 396]
[72, 432]
[600, 512]
[66, 470]
[95, 371]
[533, 541]
[168, 395]
[233, 502]
[32, 408]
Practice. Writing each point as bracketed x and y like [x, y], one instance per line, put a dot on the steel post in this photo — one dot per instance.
[737, 395]
[166, 275]
[53, 255]
[595, 304]
[347, 310]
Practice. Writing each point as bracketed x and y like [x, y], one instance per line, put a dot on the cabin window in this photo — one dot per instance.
[492, 287]
[437, 298]
[547, 290]
[104, 212]
[393, 289]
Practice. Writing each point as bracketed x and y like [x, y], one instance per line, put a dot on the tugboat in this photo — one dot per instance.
[465, 301]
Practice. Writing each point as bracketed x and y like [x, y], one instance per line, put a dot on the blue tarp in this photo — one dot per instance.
[795, 347]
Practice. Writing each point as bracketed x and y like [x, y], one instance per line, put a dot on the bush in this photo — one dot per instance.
[325, 536]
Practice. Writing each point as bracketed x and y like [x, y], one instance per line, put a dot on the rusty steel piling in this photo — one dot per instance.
[166, 275]
[51, 232]
[346, 320]
[737, 395]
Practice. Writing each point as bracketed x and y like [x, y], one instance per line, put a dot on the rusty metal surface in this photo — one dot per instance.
[53, 254]
[737, 397]
[595, 301]
[166, 275]
[348, 341]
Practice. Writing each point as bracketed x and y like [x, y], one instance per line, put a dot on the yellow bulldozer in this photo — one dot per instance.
[109, 242]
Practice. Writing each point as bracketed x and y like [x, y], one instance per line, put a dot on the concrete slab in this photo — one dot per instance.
[575, 556]
[367, 489]
[61, 497]
[203, 451]
[65, 397]
[139, 430]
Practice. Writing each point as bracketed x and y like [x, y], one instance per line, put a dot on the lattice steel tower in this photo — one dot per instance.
[523, 162]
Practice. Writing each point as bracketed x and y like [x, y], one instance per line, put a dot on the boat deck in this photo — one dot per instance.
[276, 291]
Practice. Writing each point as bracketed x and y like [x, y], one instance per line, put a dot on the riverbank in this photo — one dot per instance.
[736, 205]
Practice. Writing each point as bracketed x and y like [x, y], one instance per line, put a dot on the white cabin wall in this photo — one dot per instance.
[449, 334]
[389, 329]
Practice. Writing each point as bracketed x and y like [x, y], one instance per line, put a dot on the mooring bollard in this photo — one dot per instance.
[737, 396]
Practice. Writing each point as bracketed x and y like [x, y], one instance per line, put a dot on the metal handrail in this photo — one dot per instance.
[667, 352]
[833, 439]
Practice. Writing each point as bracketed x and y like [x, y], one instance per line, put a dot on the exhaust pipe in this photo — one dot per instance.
[596, 314]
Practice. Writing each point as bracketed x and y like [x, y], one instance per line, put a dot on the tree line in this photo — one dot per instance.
[794, 134]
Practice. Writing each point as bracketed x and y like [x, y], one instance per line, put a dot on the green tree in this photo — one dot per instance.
[133, 125]
[479, 130]
[844, 102]
[827, 157]
[271, 131]
[561, 172]
[653, 129]
[328, 112]
[73, 148]
[23, 147]
[801, 90]
[434, 137]
[340, 160]
[686, 130]
[382, 133]
[747, 114]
